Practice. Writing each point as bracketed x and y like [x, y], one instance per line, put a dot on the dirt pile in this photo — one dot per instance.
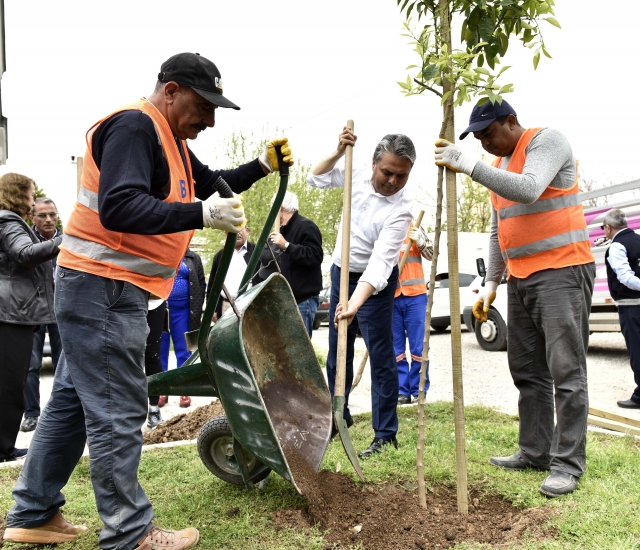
[390, 516]
[183, 426]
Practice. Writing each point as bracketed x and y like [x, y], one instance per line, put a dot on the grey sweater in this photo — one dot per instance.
[549, 162]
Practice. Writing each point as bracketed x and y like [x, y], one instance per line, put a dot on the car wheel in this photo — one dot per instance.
[316, 323]
[492, 334]
[215, 447]
[439, 328]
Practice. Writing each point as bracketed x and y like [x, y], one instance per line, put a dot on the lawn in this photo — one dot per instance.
[602, 514]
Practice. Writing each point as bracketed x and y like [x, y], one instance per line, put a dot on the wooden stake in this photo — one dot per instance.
[79, 166]
[454, 282]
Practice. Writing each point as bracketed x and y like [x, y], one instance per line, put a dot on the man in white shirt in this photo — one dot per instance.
[237, 267]
[380, 218]
[623, 275]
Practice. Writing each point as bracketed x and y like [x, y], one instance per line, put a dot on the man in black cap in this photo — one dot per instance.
[539, 233]
[135, 215]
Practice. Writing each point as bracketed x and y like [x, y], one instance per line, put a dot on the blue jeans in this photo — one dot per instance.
[408, 322]
[32, 387]
[100, 396]
[308, 310]
[374, 320]
[178, 325]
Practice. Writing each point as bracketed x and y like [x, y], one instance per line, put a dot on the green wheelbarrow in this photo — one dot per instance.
[259, 361]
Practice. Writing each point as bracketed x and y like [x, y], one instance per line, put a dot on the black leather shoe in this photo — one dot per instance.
[334, 430]
[629, 404]
[376, 446]
[29, 424]
[516, 461]
[19, 453]
[404, 399]
[558, 483]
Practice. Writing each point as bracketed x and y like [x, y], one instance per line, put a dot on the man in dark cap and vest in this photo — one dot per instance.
[539, 233]
[129, 229]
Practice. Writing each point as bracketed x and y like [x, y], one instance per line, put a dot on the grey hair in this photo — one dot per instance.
[396, 144]
[289, 203]
[616, 218]
[45, 200]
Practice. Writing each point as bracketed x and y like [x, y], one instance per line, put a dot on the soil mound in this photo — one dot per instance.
[183, 426]
[390, 516]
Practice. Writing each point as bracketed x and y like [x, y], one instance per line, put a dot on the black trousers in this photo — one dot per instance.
[152, 362]
[16, 342]
[630, 326]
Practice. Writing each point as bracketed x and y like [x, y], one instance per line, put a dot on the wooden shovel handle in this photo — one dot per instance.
[341, 359]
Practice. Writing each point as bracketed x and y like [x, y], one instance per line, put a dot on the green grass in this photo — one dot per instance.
[602, 514]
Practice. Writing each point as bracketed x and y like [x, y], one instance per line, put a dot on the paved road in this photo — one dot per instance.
[485, 375]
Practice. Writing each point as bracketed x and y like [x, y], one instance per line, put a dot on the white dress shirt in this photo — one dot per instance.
[379, 225]
[619, 262]
[237, 267]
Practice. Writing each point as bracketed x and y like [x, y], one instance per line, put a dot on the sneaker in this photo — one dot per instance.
[377, 445]
[55, 531]
[168, 539]
[558, 483]
[517, 461]
[162, 400]
[29, 423]
[154, 418]
[404, 399]
[185, 401]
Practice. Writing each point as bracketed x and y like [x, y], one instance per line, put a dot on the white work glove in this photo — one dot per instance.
[422, 242]
[453, 157]
[225, 214]
[486, 296]
[269, 159]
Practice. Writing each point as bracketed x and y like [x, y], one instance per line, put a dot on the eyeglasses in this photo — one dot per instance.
[52, 215]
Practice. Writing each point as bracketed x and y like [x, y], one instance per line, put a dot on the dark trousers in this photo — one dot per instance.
[99, 396]
[548, 335]
[152, 362]
[15, 351]
[630, 325]
[374, 319]
[32, 387]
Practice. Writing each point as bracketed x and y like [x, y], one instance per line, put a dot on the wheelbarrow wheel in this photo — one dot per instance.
[215, 447]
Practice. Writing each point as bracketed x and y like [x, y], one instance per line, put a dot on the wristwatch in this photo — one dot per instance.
[286, 245]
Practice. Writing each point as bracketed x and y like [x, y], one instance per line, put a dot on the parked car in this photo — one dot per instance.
[440, 312]
[322, 313]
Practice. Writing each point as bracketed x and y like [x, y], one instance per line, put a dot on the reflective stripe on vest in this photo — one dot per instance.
[575, 236]
[414, 260]
[88, 198]
[550, 233]
[409, 282]
[105, 254]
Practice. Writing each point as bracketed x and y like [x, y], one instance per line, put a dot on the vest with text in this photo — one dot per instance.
[550, 233]
[411, 281]
[147, 261]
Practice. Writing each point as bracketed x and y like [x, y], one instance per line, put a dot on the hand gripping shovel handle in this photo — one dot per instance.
[341, 363]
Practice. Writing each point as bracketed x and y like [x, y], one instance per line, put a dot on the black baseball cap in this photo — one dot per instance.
[199, 74]
[481, 117]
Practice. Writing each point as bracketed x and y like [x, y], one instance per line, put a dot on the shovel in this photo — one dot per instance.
[341, 363]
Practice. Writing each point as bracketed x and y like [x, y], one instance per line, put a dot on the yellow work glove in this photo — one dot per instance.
[453, 157]
[269, 159]
[486, 296]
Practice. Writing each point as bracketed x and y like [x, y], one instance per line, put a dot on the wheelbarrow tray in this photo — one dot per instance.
[269, 381]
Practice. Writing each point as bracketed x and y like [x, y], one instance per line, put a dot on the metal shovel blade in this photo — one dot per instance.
[338, 418]
[191, 338]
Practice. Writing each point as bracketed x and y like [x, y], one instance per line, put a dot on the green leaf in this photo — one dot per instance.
[486, 26]
[445, 97]
[482, 101]
[536, 60]
[507, 88]
[480, 60]
[482, 70]
[410, 67]
[403, 85]
[553, 21]
[429, 72]
[545, 52]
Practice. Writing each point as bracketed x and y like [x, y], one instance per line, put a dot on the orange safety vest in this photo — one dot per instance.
[551, 233]
[411, 281]
[147, 261]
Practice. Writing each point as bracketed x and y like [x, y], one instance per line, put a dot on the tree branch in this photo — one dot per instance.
[427, 87]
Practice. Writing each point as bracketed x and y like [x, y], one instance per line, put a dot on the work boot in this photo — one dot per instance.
[167, 539]
[185, 401]
[404, 399]
[377, 445]
[558, 483]
[629, 404]
[162, 400]
[55, 531]
[29, 423]
[516, 461]
[154, 418]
